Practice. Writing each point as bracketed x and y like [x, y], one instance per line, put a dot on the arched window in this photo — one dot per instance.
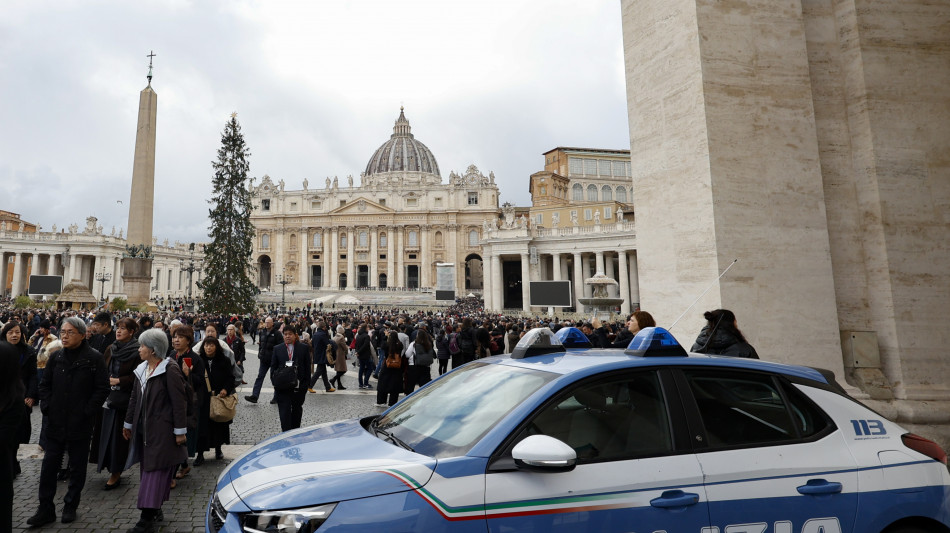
[343, 240]
[473, 238]
[293, 241]
[413, 238]
[578, 192]
[622, 194]
[265, 241]
[591, 193]
[438, 239]
[382, 239]
[606, 193]
[317, 240]
[364, 238]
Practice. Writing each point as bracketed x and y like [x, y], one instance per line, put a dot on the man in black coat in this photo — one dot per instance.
[320, 341]
[295, 354]
[74, 386]
[269, 338]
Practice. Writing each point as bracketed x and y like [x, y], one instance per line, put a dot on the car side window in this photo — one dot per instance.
[608, 420]
[744, 408]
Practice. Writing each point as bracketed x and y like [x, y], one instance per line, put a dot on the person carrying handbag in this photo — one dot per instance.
[219, 380]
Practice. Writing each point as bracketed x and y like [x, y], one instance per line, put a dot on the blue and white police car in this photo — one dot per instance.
[552, 439]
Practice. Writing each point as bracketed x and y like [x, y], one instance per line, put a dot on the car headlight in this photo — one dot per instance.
[288, 521]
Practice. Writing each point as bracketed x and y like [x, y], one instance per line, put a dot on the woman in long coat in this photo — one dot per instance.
[390, 379]
[109, 449]
[339, 363]
[11, 418]
[156, 424]
[220, 382]
[15, 334]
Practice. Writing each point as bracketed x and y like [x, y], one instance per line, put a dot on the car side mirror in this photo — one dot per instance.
[541, 453]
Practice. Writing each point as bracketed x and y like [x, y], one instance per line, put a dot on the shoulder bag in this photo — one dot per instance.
[222, 409]
[284, 377]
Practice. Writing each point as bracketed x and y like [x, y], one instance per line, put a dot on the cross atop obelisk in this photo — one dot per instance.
[137, 264]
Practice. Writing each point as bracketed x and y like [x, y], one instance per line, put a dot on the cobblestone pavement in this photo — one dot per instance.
[184, 512]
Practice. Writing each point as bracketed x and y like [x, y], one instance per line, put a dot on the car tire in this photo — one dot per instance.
[908, 529]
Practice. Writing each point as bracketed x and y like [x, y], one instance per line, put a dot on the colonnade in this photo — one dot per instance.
[575, 266]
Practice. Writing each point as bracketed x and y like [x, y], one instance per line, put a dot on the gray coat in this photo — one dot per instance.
[157, 413]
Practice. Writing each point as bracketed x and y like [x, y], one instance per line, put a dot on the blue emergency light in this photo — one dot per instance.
[573, 338]
[655, 342]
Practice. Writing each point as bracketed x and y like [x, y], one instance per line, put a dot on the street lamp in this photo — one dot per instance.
[190, 269]
[284, 279]
[103, 277]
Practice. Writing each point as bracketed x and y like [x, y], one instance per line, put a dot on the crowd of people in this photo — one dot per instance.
[116, 390]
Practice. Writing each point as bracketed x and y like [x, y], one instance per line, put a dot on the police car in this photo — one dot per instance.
[555, 439]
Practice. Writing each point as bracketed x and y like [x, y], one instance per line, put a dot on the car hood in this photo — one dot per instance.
[320, 464]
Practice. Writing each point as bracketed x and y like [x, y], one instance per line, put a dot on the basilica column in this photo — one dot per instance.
[350, 259]
[634, 282]
[306, 282]
[624, 282]
[390, 257]
[334, 258]
[426, 255]
[400, 257]
[599, 262]
[498, 300]
[589, 271]
[525, 280]
[578, 282]
[373, 256]
[325, 254]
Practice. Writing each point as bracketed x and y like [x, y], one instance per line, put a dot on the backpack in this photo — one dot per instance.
[493, 347]
[466, 345]
[394, 360]
[454, 344]
[424, 358]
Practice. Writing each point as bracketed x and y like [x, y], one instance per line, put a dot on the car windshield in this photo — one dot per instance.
[449, 416]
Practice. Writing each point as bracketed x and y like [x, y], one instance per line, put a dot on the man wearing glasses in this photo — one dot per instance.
[74, 386]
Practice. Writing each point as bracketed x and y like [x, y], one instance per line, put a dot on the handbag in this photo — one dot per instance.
[221, 409]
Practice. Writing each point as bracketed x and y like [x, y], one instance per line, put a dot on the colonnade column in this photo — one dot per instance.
[400, 257]
[525, 283]
[350, 259]
[306, 282]
[498, 300]
[624, 282]
[612, 290]
[486, 281]
[116, 272]
[17, 287]
[634, 281]
[334, 258]
[578, 282]
[426, 261]
[4, 261]
[555, 273]
[374, 256]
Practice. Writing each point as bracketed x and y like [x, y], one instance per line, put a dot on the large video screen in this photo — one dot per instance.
[45, 285]
[550, 293]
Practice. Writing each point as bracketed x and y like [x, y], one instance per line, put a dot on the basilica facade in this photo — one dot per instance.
[387, 232]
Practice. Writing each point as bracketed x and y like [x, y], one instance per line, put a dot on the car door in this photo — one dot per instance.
[771, 459]
[631, 472]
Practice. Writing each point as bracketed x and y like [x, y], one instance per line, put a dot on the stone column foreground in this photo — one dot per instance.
[726, 166]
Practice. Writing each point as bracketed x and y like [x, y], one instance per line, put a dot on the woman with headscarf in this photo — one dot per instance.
[156, 425]
[11, 419]
[109, 450]
[15, 334]
[721, 336]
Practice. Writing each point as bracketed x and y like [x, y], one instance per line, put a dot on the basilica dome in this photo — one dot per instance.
[402, 153]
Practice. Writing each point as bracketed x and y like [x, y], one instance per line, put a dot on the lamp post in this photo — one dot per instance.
[284, 279]
[103, 277]
[190, 268]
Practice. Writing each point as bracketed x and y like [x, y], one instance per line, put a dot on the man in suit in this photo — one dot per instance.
[268, 339]
[294, 353]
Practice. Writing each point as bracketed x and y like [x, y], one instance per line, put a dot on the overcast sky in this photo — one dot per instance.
[317, 86]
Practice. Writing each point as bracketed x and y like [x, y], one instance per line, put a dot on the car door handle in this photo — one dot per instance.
[820, 486]
[675, 498]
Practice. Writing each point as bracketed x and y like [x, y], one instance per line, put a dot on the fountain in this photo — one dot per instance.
[600, 304]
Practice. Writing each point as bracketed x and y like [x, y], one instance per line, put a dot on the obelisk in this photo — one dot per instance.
[137, 262]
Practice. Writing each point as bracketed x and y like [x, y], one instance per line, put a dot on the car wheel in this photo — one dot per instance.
[907, 529]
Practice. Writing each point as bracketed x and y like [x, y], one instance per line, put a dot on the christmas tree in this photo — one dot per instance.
[228, 287]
